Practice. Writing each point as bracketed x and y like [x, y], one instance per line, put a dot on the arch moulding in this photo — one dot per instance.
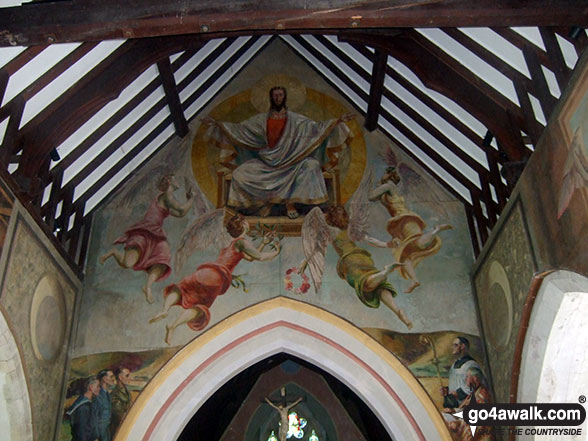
[178, 390]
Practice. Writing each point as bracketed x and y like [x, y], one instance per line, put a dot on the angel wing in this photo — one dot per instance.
[359, 208]
[316, 236]
[389, 157]
[575, 175]
[206, 231]
[145, 180]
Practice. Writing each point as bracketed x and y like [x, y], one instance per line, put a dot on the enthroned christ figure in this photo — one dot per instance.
[280, 156]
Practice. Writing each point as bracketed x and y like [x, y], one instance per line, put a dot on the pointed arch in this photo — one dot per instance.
[283, 325]
[15, 407]
[554, 358]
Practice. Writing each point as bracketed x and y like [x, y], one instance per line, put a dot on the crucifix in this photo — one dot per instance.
[283, 408]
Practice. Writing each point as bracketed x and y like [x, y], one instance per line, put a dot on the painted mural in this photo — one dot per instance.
[277, 191]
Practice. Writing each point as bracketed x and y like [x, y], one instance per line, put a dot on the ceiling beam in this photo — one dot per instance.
[376, 90]
[91, 20]
[447, 78]
[449, 168]
[561, 70]
[173, 98]
[91, 93]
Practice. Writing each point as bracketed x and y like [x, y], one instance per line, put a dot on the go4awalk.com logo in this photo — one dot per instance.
[526, 414]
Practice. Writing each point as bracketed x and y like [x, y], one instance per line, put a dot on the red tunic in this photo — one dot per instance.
[148, 237]
[210, 280]
[275, 128]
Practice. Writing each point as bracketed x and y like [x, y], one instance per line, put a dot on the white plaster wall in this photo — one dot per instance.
[15, 409]
[554, 366]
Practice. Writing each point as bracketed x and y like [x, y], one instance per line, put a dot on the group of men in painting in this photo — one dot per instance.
[100, 406]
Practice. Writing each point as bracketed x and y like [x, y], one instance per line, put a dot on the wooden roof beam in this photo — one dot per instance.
[376, 89]
[425, 99]
[540, 88]
[575, 35]
[173, 98]
[387, 116]
[92, 20]
[453, 83]
[561, 70]
[79, 103]
[160, 128]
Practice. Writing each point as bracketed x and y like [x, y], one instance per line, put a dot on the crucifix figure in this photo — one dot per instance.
[283, 409]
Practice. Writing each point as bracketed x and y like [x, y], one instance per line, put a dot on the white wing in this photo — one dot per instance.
[316, 236]
[359, 209]
[206, 231]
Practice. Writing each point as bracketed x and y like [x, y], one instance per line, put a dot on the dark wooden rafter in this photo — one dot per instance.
[376, 90]
[4, 77]
[482, 224]
[541, 88]
[484, 174]
[520, 42]
[51, 206]
[472, 227]
[210, 58]
[79, 103]
[580, 40]
[9, 145]
[492, 176]
[160, 128]
[493, 208]
[62, 221]
[172, 96]
[117, 143]
[488, 56]
[463, 72]
[332, 67]
[440, 73]
[23, 58]
[533, 132]
[90, 20]
[401, 127]
[209, 81]
[492, 154]
[499, 64]
[561, 70]
[74, 235]
[55, 71]
[86, 229]
[115, 119]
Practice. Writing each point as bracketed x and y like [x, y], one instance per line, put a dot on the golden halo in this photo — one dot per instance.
[295, 90]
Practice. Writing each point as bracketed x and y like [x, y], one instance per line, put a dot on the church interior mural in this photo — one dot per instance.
[329, 214]
[279, 193]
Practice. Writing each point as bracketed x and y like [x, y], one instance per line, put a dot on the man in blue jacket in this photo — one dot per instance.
[80, 415]
[102, 406]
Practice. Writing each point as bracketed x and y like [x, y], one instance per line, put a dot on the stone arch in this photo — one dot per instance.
[283, 325]
[15, 407]
[554, 365]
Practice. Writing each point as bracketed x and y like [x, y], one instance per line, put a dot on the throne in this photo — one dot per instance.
[287, 226]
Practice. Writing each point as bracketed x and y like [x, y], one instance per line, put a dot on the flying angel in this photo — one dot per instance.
[409, 241]
[145, 245]
[355, 264]
[197, 292]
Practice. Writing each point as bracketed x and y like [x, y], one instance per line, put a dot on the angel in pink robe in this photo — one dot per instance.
[145, 243]
[196, 292]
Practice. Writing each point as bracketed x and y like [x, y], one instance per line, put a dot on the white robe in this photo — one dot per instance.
[291, 171]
